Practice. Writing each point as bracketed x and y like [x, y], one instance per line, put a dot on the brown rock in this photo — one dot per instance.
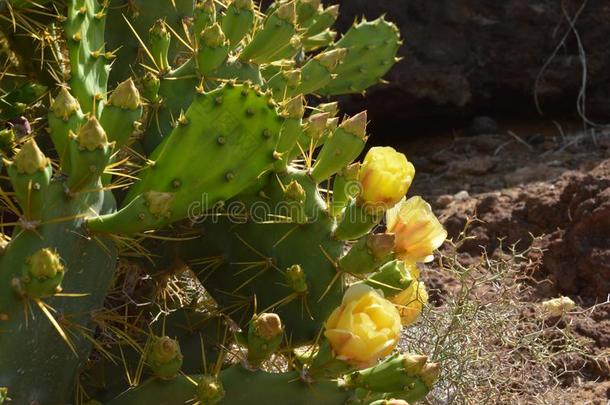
[475, 167]
[529, 174]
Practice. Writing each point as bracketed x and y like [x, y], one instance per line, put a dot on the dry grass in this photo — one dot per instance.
[493, 345]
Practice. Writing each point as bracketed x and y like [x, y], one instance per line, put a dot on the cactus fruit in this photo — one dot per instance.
[242, 218]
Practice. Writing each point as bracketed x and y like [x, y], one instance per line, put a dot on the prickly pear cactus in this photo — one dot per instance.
[250, 257]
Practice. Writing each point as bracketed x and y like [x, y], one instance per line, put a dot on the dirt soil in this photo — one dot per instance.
[524, 181]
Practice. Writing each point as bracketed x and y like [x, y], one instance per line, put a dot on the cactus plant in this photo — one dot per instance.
[192, 116]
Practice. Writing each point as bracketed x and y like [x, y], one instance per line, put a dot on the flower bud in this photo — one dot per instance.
[331, 108]
[287, 12]
[356, 125]
[365, 328]
[430, 374]
[294, 108]
[267, 326]
[92, 136]
[210, 390]
[159, 203]
[416, 229]
[64, 104]
[7, 140]
[264, 337]
[293, 78]
[125, 96]
[213, 36]
[316, 125]
[414, 363]
[386, 176]
[243, 4]
[164, 357]
[42, 274]
[296, 279]
[150, 86]
[30, 159]
[45, 264]
[295, 192]
[331, 59]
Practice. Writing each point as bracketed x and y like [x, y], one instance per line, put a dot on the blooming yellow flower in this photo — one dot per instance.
[385, 176]
[411, 301]
[558, 306]
[417, 231]
[365, 328]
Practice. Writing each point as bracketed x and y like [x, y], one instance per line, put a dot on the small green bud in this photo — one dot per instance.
[332, 124]
[295, 192]
[30, 158]
[333, 11]
[42, 274]
[294, 108]
[64, 104]
[125, 96]
[292, 77]
[296, 42]
[330, 59]
[92, 136]
[430, 373]
[414, 363]
[206, 6]
[7, 140]
[243, 4]
[210, 390]
[159, 30]
[159, 203]
[44, 264]
[314, 4]
[351, 172]
[287, 12]
[296, 278]
[356, 125]
[316, 125]
[267, 326]
[164, 357]
[213, 36]
[151, 85]
[331, 108]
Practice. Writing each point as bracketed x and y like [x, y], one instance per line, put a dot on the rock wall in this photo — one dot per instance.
[467, 57]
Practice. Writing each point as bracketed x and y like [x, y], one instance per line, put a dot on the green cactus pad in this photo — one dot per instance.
[226, 141]
[271, 239]
[371, 52]
[84, 30]
[238, 20]
[275, 35]
[35, 346]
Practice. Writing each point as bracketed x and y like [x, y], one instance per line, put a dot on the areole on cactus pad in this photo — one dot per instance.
[245, 260]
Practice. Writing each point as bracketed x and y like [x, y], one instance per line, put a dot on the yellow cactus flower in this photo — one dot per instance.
[385, 176]
[365, 328]
[417, 231]
[558, 306]
[411, 301]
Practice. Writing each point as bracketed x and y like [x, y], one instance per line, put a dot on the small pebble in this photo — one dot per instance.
[462, 195]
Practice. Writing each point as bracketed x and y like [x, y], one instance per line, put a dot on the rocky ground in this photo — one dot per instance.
[542, 188]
